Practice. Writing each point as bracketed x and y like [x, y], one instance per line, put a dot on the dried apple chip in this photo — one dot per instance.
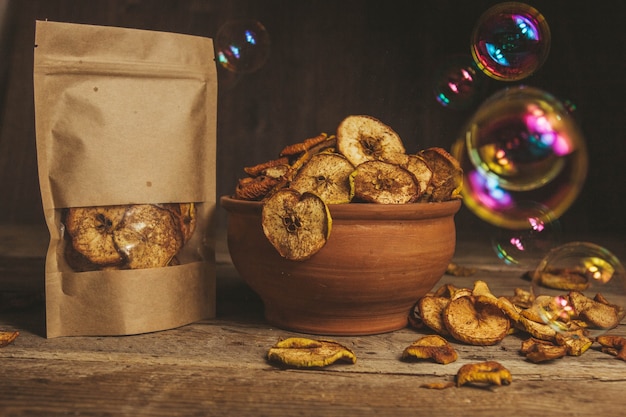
[383, 183]
[595, 313]
[431, 312]
[259, 169]
[185, 215]
[306, 145]
[91, 231]
[301, 352]
[149, 236]
[457, 270]
[563, 279]
[438, 385]
[447, 179]
[417, 166]
[613, 345]
[365, 138]
[475, 322]
[326, 175]
[296, 224]
[255, 188]
[489, 372]
[7, 338]
[576, 342]
[431, 347]
[537, 350]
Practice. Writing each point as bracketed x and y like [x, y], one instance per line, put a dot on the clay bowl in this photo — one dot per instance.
[378, 261]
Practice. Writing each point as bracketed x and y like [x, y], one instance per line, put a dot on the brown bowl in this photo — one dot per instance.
[378, 261]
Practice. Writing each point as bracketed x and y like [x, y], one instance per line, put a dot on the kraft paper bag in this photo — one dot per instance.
[126, 138]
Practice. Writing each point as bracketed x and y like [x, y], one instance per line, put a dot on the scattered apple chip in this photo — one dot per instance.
[7, 338]
[521, 298]
[365, 138]
[613, 345]
[481, 289]
[383, 183]
[536, 329]
[474, 321]
[597, 314]
[489, 372]
[457, 270]
[326, 175]
[438, 385]
[301, 352]
[576, 342]
[563, 279]
[431, 347]
[537, 350]
[296, 224]
[431, 312]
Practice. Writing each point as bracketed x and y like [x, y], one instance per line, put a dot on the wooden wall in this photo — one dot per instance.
[332, 58]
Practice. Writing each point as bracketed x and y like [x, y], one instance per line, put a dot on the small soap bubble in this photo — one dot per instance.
[523, 138]
[242, 46]
[525, 247]
[510, 41]
[458, 83]
[580, 281]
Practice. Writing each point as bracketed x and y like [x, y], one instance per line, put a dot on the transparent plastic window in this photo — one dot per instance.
[133, 236]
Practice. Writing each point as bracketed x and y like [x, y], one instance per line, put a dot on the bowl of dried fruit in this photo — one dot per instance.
[341, 234]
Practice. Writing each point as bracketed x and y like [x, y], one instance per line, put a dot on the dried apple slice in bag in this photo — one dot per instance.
[296, 224]
[91, 231]
[149, 236]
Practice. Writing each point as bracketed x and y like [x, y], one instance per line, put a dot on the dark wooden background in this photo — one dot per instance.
[332, 58]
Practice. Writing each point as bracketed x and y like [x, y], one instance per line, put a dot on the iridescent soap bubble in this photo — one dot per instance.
[523, 138]
[242, 46]
[580, 281]
[525, 247]
[499, 206]
[510, 41]
[458, 83]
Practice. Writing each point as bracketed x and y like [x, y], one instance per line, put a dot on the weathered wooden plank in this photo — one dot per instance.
[59, 387]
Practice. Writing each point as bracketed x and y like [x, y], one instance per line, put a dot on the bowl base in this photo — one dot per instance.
[335, 326]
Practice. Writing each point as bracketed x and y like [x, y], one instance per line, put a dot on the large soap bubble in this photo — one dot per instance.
[510, 41]
[580, 282]
[523, 138]
[242, 46]
[488, 199]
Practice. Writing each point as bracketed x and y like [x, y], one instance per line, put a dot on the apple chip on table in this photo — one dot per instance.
[301, 352]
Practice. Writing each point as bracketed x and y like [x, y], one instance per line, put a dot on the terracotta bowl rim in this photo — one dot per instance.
[359, 210]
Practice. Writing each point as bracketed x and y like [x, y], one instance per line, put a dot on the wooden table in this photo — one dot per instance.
[218, 367]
